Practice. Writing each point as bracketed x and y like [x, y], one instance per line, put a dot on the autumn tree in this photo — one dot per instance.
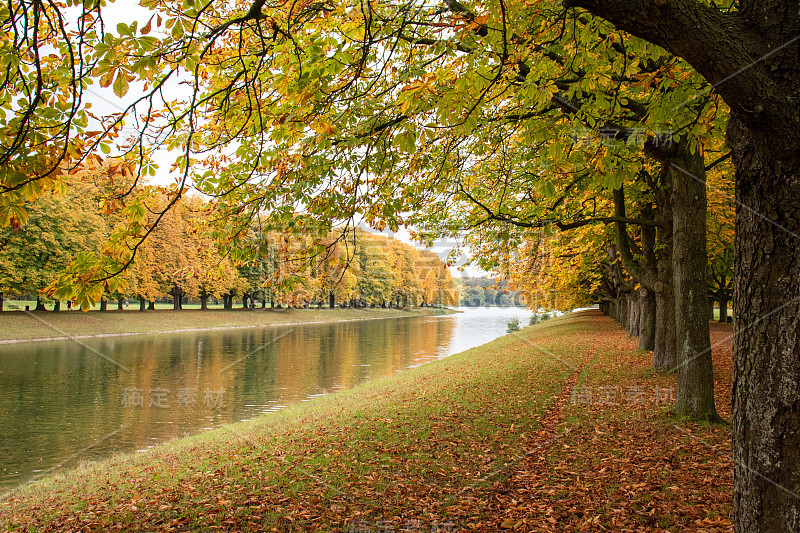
[375, 280]
[56, 229]
[434, 280]
[721, 209]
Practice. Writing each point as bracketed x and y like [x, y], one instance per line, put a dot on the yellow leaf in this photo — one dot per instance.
[322, 126]
[107, 78]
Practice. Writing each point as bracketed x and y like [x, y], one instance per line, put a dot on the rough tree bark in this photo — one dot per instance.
[766, 418]
[617, 303]
[752, 59]
[664, 352]
[647, 322]
[695, 394]
[635, 313]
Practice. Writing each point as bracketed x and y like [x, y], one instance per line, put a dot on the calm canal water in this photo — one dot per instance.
[63, 402]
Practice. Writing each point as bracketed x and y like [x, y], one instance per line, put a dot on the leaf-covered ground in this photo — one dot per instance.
[561, 427]
[618, 460]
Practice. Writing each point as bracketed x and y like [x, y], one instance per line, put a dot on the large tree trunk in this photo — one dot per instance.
[103, 305]
[664, 351]
[142, 304]
[723, 307]
[57, 306]
[331, 300]
[630, 304]
[39, 304]
[616, 282]
[636, 307]
[176, 298]
[647, 320]
[151, 305]
[119, 304]
[695, 395]
[630, 313]
[204, 302]
[1, 301]
[623, 310]
[766, 417]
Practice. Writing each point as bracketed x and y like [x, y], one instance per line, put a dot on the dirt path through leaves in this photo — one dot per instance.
[612, 458]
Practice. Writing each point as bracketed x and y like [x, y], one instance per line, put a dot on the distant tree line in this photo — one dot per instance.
[180, 261]
[483, 291]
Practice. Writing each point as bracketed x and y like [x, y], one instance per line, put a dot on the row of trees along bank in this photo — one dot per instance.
[181, 260]
[659, 287]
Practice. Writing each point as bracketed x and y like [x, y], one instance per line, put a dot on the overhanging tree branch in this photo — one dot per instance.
[727, 49]
[561, 225]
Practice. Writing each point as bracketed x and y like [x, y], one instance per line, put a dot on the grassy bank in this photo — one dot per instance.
[554, 428]
[21, 325]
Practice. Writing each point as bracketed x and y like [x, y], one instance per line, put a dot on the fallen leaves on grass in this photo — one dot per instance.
[490, 442]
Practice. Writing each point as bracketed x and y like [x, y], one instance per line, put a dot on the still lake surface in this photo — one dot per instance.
[63, 402]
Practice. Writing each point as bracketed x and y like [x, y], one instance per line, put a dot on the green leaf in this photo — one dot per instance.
[120, 84]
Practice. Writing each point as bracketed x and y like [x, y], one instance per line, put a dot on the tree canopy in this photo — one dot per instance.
[502, 120]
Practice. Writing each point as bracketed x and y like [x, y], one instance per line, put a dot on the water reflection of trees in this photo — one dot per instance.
[59, 398]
